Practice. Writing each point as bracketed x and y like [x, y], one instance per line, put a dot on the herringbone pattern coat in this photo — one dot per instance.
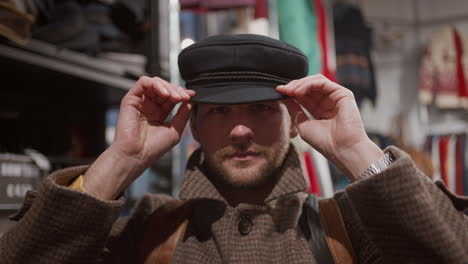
[396, 216]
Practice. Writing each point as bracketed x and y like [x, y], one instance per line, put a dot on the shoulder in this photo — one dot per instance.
[159, 208]
[146, 206]
[149, 203]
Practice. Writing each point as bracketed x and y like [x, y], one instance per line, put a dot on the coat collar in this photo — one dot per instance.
[196, 184]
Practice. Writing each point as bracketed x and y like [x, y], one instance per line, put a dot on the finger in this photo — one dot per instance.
[191, 93]
[289, 88]
[158, 86]
[161, 110]
[150, 87]
[181, 92]
[298, 116]
[318, 85]
[317, 90]
[327, 100]
[140, 86]
[167, 108]
[187, 92]
[311, 102]
[160, 100]
[179, 121]
[317, 96]
[172, 95]
[317, 76]
[282, 89]
[320, 110]
[161, 91]
[175, 97]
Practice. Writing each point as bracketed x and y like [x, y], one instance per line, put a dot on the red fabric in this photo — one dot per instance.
[459, 166]
[462, 88]
[323, 34]
[312, 174]
[261, 9]
[443, 155]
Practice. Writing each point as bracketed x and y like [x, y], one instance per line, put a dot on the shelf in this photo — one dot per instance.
[51, 57]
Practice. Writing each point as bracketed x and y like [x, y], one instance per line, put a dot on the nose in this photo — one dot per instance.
[241, 133]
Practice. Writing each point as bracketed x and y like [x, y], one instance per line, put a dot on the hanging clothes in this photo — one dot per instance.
[304, 24]
[323, 173]
[451, 163]
[260, 24]
[314, 185]
[464, 159]
[261, 9]
[435, 158]
[443, 156]
[315, 168]
[323, 31]
[449, 154]
[459, 164]
[353, 42]
[298, 27]
[442, 77]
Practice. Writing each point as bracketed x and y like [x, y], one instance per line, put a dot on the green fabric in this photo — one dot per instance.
[298, 27]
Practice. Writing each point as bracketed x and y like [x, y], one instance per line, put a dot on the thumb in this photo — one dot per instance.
[298, 116]
[181, 118]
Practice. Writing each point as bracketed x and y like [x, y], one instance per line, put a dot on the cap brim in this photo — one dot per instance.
[235, 93]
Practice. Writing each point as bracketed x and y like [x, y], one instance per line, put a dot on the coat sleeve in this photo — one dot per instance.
[60, 225]
[405, 216]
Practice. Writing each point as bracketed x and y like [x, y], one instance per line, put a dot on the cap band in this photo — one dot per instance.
[237, 75]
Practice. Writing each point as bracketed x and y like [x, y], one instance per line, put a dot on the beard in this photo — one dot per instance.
[260, 171]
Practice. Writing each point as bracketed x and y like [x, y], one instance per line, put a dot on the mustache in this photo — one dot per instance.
[231, 150]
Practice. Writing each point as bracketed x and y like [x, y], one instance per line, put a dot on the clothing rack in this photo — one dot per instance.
[448, 128]
[425, 23]
[450, 162]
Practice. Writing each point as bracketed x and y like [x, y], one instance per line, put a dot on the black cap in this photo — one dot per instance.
[236, 69]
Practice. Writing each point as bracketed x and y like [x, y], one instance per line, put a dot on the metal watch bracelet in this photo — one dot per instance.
[377, 166]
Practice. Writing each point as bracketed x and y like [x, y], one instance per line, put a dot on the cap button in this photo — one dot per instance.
[244, 224]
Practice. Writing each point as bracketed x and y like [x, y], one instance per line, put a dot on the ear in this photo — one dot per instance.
[293, 130]
[193, 126]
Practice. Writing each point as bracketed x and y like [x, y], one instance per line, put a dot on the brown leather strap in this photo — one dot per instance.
[164, 252]
[163, 230]
[335, 232]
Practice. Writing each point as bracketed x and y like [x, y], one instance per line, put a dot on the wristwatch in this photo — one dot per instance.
[377, 166]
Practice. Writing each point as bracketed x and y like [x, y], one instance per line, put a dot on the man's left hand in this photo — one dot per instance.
[337, 130]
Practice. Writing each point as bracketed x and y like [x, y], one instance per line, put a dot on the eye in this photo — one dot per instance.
[260, 107]
[220, 110]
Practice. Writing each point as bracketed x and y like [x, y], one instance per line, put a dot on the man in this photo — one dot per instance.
[243, 190]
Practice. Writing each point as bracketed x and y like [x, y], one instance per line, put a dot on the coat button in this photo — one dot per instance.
[244, 224]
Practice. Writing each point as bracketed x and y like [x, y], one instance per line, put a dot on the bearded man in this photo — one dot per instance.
[243, 197]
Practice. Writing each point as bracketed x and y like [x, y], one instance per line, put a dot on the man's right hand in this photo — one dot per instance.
[141, 135]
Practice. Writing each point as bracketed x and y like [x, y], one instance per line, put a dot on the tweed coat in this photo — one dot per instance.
[396, 216]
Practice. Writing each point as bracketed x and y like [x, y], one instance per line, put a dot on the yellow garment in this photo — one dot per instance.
[77, 184]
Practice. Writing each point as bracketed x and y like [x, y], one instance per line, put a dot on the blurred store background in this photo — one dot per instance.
[66, 64]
